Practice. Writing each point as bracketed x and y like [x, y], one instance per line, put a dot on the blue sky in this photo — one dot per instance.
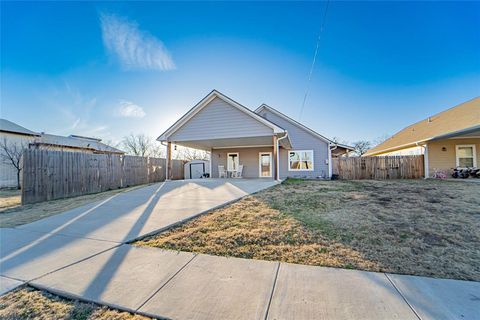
[110, 69]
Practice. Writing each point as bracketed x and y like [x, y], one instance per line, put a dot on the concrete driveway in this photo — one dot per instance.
[84, 254]
[32, 250]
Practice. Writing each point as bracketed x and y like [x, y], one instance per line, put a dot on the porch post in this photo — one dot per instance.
[168, 176]
[275, 157]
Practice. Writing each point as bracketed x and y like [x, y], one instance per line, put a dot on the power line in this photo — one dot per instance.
[307, 91]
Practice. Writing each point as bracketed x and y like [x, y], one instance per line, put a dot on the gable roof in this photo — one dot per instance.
[9, 126]
[299, 125]
[458, 118]
[204, 102]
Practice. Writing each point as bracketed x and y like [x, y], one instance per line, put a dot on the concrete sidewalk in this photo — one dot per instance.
[180, 285]
[83, 253]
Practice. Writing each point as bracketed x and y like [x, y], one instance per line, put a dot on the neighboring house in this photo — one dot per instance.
[448, 139]
[266, 142]
[73, 143]
[15, 134]
[12, 134]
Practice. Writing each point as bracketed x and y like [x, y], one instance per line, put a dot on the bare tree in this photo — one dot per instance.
[189, 154]
[12, 154]
[137, 145]
[158, 150]
[380, 139]
[361, 147]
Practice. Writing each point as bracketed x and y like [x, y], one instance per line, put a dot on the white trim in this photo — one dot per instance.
[237, 147]
[238, 157]
[297, 170]
[210, 164]
[296, 123]
[204, 102]
[330, 168]
[474, 151]
[426, 164]
[260, 164]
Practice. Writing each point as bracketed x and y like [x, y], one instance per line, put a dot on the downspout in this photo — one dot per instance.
[330, 168]
[278, 155]
[425, 159]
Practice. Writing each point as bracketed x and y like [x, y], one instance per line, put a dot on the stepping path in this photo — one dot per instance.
[74, 257]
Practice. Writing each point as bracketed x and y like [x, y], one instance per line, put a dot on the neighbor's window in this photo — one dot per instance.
[466, 156]
[301, 160]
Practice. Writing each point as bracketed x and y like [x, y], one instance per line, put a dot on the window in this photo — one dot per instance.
[300, 160]
[466, 155]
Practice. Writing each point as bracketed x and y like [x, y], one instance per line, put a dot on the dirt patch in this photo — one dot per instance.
[415, 227]
[14, 214]
[28, 303]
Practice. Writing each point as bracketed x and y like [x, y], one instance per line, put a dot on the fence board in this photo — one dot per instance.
[379, 168]
[49, 175]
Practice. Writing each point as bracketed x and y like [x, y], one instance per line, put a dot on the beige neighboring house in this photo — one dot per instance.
[15, 134]
[448, 139]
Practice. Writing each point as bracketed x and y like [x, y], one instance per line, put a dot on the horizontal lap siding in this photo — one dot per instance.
[446, 160]
[220, 120]
[248, 157]
[301, 140]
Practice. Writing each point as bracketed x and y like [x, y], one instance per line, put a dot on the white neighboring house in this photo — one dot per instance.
[14, 134]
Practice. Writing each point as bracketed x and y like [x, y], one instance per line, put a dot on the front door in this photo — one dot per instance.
[265, 164]
[232, 161]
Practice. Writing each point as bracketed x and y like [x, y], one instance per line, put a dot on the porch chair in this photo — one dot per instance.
[221, 172]
[238, 173]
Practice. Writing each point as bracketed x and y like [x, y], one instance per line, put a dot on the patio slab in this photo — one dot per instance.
[7, 284]
[212, 287]
[124, 277]
[26, 255]
[440, 298]
[308, 292]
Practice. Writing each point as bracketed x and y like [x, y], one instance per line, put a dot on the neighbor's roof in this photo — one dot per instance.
[456, 119]
[9, 126]
[75, 142]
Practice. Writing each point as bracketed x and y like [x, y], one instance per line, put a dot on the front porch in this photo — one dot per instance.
[250, 157]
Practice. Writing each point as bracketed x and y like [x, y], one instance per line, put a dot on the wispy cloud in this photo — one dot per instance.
[130, 110]
[134, 48]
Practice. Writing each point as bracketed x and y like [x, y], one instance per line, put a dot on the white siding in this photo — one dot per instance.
[301, 140]
[8, 173]
[220, 120]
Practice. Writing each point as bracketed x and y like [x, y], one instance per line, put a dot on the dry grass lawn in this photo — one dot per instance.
[13, 214]
[417, 227]
[10, 198]
[28, 303]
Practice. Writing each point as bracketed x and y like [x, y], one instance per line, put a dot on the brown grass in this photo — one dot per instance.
[13, 214]
[405, 226]
[10, 198]
[28, 303]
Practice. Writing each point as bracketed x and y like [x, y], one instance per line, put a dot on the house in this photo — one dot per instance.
[73, 143]
[448, 139]
[16, 136]
[266, 142]
[12, 134]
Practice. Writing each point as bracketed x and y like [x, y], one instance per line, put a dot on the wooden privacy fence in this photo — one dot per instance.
[379, 168]
[49, 175]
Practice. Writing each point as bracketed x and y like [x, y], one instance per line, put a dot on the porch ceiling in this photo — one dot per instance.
[232, 142]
